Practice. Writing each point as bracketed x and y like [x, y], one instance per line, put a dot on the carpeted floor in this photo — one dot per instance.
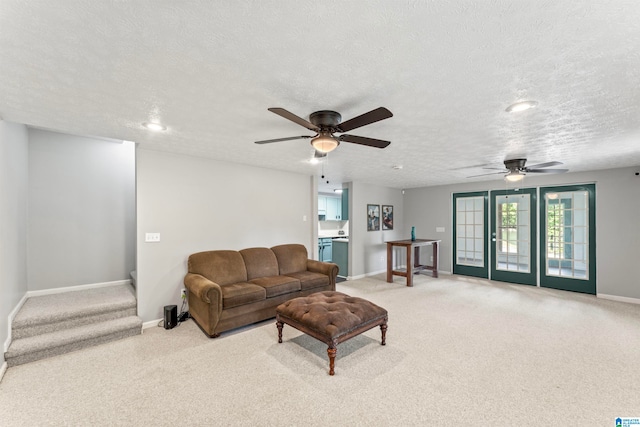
[459, 351]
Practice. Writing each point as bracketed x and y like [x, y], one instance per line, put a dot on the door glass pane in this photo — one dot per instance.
[470, 231]
[513, 232]
[566, 240]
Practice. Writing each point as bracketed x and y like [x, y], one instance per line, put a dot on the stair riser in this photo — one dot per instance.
[33, 330]
[55, 351]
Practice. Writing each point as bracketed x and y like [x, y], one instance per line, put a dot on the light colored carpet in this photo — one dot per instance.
[459, 351]
[50, 325]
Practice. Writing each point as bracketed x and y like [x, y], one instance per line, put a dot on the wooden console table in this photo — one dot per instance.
[415, 266]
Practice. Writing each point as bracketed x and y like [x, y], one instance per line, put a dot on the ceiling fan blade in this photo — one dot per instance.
[269, 141]
[290, 116]
[497, 169]
[544, 165]
[319, 155]
[546, 170]
[485, 174]
[365, 119]
[362, 140]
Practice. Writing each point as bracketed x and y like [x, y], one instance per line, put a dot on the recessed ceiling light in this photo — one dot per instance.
[398, 167]
[521, 106]
[338, 190]
[156, 127]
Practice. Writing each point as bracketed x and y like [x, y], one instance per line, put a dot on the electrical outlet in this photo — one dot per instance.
[183, 293]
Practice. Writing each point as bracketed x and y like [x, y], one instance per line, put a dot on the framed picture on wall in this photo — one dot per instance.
[387, 217]
[373, 217]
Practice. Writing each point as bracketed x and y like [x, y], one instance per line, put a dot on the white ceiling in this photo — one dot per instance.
[447, 70]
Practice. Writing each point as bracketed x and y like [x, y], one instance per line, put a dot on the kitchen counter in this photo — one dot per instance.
[341, 239]
[331, 235]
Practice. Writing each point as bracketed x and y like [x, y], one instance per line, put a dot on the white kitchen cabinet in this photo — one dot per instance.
[333, 208]
[322, 204]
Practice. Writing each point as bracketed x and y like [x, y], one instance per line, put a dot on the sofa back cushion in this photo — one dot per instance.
[291, 258]
[222, 267]
[260, 262]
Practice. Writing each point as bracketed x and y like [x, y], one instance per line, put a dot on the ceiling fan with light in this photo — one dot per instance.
[516, 169]
[325, 123]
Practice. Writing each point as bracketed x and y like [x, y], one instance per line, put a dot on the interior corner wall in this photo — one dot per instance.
[199, 204]
[81, 219]
[617, 221]
[367, 249]
[13, 220]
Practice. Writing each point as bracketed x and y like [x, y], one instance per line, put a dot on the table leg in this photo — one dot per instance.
[435, 259]
[409, 267]
[389, 263]
[383, 329]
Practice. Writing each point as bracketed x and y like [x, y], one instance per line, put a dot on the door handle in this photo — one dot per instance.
[493, 240]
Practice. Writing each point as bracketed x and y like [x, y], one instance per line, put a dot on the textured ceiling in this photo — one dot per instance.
[447, 71]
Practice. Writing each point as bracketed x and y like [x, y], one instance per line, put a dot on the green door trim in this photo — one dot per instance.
[522, 278]
[566, 283]
[467, 270]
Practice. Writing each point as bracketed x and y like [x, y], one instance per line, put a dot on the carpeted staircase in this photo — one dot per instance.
[50, 325]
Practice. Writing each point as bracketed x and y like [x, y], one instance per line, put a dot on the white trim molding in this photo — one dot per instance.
[3, 369]
[12, 316]
[77, 288]
[620, 299]
[151, 324]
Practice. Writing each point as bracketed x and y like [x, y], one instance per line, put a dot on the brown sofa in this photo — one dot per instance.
[229, 289]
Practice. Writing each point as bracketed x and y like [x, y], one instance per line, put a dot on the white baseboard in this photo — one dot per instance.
[151, 324]
[620, 299]
[77, 288]
[52, 291]
[3, 369]
[12, 316]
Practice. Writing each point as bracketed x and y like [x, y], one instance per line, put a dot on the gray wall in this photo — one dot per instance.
[367, 249]
[81, 227]
[617, 221]
[13, 220]
[199, 204]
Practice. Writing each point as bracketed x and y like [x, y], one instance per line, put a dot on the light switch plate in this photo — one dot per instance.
[152, 237]
[439, 229]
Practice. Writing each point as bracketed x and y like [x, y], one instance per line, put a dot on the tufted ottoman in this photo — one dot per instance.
[331, 317]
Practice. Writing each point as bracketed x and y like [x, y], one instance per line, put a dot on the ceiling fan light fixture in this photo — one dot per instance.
[521, 106]
[324, 143]
[514, 176]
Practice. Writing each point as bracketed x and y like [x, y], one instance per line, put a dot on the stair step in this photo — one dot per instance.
[49, 313]
[37, 347]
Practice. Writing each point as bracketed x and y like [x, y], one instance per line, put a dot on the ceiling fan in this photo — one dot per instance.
[325, 123]
[516, 169]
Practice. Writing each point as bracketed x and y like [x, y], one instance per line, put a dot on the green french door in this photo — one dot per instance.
[513, 236]
[567, 238]
[470, 240]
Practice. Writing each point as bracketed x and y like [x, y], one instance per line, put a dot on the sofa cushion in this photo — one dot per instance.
[241, 293]
[277, 285]
[221, 267]
[260, 262]
[291, 258]
[310, 280]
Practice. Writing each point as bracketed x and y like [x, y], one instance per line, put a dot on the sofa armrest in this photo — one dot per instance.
[204, 289]
[328, 268]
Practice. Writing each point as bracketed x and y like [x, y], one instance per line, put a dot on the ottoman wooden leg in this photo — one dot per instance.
[383, 329]
[331, 351]
[279, 324]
